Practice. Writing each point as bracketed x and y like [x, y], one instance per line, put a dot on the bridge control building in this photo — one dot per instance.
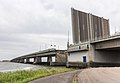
[92, 43]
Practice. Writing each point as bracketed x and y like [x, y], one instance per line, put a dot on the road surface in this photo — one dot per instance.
[59, 78]
[100, 75]
[89, 75]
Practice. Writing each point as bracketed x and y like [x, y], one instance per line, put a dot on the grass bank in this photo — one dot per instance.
[25, 76]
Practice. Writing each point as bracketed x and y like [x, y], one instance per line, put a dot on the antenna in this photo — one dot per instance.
[68, 40]
[119, 30]
[115, 30]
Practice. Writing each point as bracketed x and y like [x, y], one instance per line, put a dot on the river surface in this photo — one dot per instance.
[9, 66]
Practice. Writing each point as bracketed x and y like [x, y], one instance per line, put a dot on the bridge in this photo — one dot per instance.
[49, 56]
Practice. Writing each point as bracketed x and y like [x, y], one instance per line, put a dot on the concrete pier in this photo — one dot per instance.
[37, 60]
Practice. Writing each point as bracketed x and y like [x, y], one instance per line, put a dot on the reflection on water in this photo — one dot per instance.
[9, 66]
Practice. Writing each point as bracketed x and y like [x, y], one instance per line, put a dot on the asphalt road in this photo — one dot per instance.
[90, 75]
[100, 75]
[59, 78]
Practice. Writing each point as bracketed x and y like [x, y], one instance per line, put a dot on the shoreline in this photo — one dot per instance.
[24, 76]
[12, 67]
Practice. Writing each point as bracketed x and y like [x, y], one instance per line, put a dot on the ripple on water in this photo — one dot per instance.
[9, 66]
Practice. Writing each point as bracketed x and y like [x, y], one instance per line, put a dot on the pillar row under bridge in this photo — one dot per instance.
[38, 60]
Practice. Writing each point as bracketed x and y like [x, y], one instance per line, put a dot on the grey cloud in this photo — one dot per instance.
[34, 20]
[47, 6]
[25, 25]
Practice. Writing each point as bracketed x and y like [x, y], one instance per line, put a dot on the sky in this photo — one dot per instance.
[28, 26]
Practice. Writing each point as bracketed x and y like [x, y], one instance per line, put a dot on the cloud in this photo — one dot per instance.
[31, 17]
[28, 25]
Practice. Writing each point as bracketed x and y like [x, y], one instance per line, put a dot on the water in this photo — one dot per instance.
[9, 66]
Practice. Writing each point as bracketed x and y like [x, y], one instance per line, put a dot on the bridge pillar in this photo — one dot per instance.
[37, 60]
[18, 60]
[21, 60]
[27, 60]
[91, 52]
[49, 60]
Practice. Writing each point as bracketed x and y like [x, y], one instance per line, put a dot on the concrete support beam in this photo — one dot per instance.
[37, 60]
[108, 44]
[27, 60]
[21, 60]
[17, 60]
[49, 60]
